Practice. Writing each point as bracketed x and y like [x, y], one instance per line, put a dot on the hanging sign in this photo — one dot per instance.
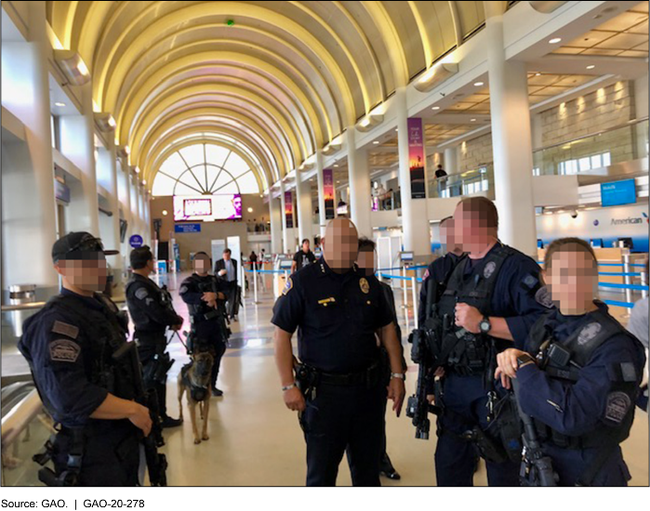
[416, 158]
[328, 190]
[288, 210]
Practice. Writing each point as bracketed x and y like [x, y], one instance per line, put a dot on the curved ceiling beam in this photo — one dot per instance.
[198, 91]
[216, 134]
[424, 34]
[240, 121]
[198, 96]
[195, 12]
[85, 39]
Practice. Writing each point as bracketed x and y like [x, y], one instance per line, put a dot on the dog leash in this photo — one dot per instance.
[179, 338]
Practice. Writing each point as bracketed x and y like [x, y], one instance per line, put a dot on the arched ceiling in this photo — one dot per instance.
[281, 78]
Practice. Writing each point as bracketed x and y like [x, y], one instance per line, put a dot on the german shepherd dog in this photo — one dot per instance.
[194, 379]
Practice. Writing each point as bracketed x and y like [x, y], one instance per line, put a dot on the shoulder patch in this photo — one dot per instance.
[62, 328]
[489, 269]
[288, 286]
[618, 404]
[64, 350]
[426, 275]
[182, 290]
[543, 297]
[141, 293]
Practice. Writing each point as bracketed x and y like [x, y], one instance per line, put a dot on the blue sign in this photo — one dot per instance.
[187, 228]
[136, 241]
[618, 193]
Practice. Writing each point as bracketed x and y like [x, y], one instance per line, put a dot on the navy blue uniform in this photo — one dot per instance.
[593, 402]
[206, 332]
[151, 316]
[336, 316]
[438, 270]
[465, 396]
[67, 360]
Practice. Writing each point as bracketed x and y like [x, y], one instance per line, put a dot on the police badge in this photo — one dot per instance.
[365, 287]
[588, 332]
[489, 269]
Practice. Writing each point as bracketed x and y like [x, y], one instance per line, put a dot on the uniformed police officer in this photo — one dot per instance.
[488, 304]
[366, 264]
[439, 269]
[581, 388]
[151, 313]
[339, 395]
[201, 291]
[69, 346]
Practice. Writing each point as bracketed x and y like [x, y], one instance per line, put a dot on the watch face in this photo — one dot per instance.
[484, 326]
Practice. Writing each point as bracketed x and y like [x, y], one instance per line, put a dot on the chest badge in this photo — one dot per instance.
[588, 333]
[489, 269]
[365, 287]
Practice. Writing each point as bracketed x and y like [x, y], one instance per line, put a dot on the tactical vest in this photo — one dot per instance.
[564, 361]
[464, 352]
[197, 311]
[104, 332]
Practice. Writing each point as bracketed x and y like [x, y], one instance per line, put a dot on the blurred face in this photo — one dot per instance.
[305, 247]
[447, 236]
[201, 264]
[88, 274]
[572, 280]
[226, 256]
[471, 231]
[341, 245]
[366, 262]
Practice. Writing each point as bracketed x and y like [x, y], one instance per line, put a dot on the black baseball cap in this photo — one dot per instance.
[78, 245]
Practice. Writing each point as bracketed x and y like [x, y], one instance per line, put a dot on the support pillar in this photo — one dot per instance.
[288, 236]
[511, 139]
[275, 214]
[322, 220]
[415, 219]
[303, 208]
[359, 179]
[450, 162]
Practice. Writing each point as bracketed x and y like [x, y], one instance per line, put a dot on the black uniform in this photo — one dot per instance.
[336, 316]
[151, 313]
[502, 284]
[438, 270]
[583, 404]
[209, 331]
[69, 346]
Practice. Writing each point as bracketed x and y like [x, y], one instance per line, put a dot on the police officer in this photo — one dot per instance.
[202, 293]
[366, 264]
[439, 269]
[581, 388]
[151, 312]
[488, 304]
[69, 345]
[339, 394]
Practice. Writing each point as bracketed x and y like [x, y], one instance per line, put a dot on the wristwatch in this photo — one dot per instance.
[485, 326]
[524, 359]
[401, 376]
[289, 387]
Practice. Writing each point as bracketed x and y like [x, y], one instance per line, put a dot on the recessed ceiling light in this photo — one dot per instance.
[435, 108]
[396, 129]
[478, 84]
[336, 166]
[250, 210]
[376, 142]
[538, 74]
[555, 40]
[164, 212]
[58, 103]
[591, 66]
[472, 120]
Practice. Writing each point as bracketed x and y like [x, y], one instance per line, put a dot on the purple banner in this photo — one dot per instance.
[288, 210]
[328, 190]
[416, 157]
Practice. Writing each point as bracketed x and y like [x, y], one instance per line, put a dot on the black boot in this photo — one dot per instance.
[386, 468]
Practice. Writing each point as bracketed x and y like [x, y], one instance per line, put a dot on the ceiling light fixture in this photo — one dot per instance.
[555, 40]
[435, 108]
[472, 120]
[72, 66]
[478, 84]
[591, 66]
[164, 212]
[58, 103]
[376, 142]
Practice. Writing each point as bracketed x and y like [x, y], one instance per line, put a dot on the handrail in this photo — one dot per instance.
[15, 422]
[22, 306]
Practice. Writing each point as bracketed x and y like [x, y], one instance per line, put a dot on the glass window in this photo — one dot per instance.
[596, 161]
[607, 159]
[584, 164]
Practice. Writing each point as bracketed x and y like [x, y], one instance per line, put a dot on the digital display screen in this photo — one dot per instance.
[406, 256]
[618, 193]
[207, 208]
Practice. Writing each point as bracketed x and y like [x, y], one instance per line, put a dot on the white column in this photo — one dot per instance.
[275, 214]
[450, 162]
[511, 140]
[303, 208]
[110, 233]
[78, 145]
[28, 203]
[415, 219]
[322, 220]
[359, 179]
[288, 236]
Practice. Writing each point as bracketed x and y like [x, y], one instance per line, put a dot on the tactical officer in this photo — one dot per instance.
[581, 388]
[366, 264]
[151, 312]
[338, 393]
[70, 346]
[439, 269]
[487, 304]
[204, 295]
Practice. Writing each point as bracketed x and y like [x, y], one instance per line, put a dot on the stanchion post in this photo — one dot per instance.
[405, 288]
[627, 279]
[255, 283]
[644, 282]
[414, 281]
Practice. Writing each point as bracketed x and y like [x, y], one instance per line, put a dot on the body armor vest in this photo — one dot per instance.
[564, 361]
[467, 353]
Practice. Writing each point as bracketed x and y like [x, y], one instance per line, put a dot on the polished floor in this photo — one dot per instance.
[256, 441]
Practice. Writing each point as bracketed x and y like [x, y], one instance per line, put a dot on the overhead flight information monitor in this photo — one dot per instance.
[207, 208]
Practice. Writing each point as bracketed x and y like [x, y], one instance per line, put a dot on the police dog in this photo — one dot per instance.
[194, 379]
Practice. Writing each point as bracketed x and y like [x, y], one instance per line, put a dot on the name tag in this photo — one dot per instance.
[325, 301]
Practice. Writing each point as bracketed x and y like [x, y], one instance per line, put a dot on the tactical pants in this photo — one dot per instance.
[570, 464]
[455, 458]
[148, 346]
[232, 299]
[344, 417]
[111, 454]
